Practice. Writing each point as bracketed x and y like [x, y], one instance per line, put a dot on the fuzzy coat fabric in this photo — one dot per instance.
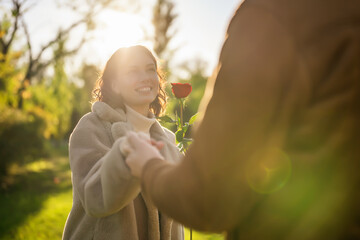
[107, 199]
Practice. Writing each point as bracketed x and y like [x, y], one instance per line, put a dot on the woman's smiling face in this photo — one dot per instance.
[137, 79]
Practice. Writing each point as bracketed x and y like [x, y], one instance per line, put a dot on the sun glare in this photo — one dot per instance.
[118, 30]
[122, 29]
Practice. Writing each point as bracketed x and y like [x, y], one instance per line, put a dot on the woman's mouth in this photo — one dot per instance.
[144, 89]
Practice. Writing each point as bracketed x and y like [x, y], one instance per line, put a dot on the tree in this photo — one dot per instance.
[83, 94]
[163, 19]
[36, 63]
[34, 106]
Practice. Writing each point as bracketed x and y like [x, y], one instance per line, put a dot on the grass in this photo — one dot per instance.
[47, 223]
[36, 198]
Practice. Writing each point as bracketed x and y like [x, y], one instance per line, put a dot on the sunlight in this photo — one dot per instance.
[118, 30]
[121, 29]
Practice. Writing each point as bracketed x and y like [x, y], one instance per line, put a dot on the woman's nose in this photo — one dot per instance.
[145, 76]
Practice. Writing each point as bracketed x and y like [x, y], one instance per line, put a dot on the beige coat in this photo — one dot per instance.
[107, 199]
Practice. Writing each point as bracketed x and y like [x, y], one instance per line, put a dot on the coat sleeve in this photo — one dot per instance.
[248, 112]
[101, 178]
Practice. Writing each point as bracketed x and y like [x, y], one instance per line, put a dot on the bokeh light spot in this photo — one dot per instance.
[268, 171]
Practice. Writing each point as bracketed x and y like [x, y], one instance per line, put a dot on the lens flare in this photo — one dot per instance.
[268, 171]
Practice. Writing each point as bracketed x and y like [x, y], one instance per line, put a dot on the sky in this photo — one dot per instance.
[201, 26]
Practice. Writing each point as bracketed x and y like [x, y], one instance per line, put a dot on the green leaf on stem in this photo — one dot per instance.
[188, 140]
[178, 122]
[179, 135]
[193, 118]
[185, 145]
[185, 128]
[166, 119]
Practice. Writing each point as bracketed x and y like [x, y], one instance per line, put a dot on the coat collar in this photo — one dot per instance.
[109, 114]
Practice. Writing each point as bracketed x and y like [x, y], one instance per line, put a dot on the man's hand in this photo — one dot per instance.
[140, 152]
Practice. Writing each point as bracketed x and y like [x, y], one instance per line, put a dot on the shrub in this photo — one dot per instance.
[21, 137]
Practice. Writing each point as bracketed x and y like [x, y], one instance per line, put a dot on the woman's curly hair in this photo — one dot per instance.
[103, 87]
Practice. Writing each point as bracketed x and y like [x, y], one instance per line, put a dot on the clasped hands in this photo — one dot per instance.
[139, 150]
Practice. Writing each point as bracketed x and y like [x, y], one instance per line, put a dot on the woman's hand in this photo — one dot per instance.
[125, 147]
[141, 151]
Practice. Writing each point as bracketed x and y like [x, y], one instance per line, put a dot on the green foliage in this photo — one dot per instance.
[179, 135]
[45, 114]
[42, 102]
[5, 24]
[88, 75]
[62, 96]
[60, 89]
[52, 99]
[193, 118]
[21, 137]
[48, 111]
[166, 119]
[191, 104]
[10, 77]
[21, 132]
[181, 127]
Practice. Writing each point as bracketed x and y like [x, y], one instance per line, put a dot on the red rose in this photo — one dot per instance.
[181, 90]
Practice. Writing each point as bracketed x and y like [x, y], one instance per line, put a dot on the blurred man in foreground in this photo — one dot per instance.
[277, 153]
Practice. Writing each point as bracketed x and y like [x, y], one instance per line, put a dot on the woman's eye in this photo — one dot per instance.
[132, 71]
[151, 70]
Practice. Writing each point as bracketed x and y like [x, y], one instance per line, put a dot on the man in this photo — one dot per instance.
[277, 153]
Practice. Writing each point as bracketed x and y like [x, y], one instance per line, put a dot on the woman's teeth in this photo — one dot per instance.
[144, 89]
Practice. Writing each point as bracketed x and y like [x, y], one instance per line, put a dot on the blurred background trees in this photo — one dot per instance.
[41, 100]
[36, 96]
[164, 22]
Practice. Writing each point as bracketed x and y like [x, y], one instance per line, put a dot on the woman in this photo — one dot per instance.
[107, 198]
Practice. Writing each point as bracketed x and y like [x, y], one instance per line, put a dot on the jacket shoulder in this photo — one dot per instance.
[89, 125]
[89, 120]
